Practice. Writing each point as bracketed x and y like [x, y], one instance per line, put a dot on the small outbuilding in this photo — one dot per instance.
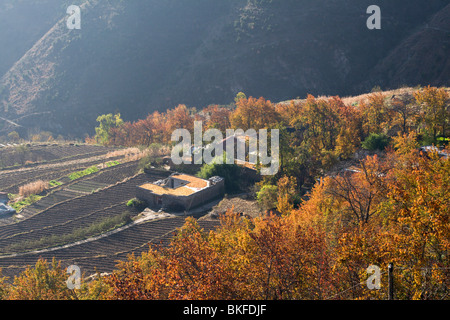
[181, 192]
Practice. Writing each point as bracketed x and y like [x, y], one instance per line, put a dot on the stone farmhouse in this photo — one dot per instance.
[181, 192]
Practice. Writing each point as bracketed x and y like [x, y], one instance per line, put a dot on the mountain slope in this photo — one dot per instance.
[136, 57]
[422, 58]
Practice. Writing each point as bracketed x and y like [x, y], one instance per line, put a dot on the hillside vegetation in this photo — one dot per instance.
[332, 211]
[138, 57]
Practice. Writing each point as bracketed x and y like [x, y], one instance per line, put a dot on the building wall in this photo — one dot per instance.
[147, 196]
[194, 200]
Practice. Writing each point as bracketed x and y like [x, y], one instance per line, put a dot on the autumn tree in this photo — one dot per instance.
[420, 213]
[361, 188]
[176, 272]
[44, 281]
[254, 114]
[321, 121]
[350, 128]
[179, 118]
[106, 123]
[286, 194]
[405, 110]
[217, 118]
[435, 109]
[375, 113]
[288, 112]
[3, 286]
[410, 229]
[405, 143]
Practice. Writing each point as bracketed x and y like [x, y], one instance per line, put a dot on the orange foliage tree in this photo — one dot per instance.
[376, 114]
[254, 114]
[392, 209]
[435, 110]
[217, 118]
[44, 281]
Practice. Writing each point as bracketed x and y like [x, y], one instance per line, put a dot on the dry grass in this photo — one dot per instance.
[135, 154]
[129, 154]
[33, 188]
[390, 93]
[363, 97]
[123, 152]
[194, 182]
[182, 191]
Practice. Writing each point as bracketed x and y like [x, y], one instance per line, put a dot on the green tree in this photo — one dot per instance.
[230, 172]
[13, 136]
[240, 96]
[267, 197]
[435, 108]
[376, 142]
[106, 123]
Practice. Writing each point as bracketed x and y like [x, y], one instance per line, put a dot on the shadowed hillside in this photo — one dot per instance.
[136, 57]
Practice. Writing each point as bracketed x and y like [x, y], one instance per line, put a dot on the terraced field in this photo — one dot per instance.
[102, 255]
[37, 154]
[10, 181]
[70, 215]
[63, 224]
[70, 190]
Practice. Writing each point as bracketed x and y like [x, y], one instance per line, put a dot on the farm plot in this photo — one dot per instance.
[29, 154]
[101, 255]
[10, 181]
[55, 220]
[105, 178]
[88, 225]
[70, 190]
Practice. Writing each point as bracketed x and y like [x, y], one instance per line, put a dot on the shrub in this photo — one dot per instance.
[136, 203]
[267, 197]
[376, 142]
[80, 174]
[230, 172]
[25, 202]
[54, 183]
[112, 164]
[33, 188]
[13, 136]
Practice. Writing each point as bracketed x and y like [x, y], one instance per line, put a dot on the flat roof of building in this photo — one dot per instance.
[194, 184]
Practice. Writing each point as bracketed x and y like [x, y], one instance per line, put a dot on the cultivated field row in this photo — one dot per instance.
[87, 185]
[103, 254]
[35, 154]
[78, 207]
[59, 225]
[11, 181]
